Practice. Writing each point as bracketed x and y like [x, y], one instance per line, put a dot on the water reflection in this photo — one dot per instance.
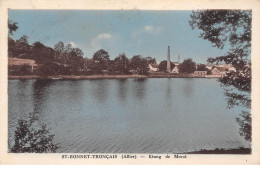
[101, 89]
[168, 92]
[122, 89]
[40, 88]
[122, 115]
[22, 86]
[187, 88]
[76, 89]
[140, 88]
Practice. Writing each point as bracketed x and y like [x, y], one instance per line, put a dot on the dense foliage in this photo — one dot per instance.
[163, 66]
[64, 59]
[187, 66]
[31, 136]
[232, 29]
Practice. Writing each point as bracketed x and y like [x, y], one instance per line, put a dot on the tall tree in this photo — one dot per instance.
[23, 43]
[121, 64]
[101, 60]
[150, 60]
[68, 48]
[23, 39]
[59, 47]
[140, 64]
[42, 54]
[101, 56]
[77, 52]
[12, 27]
[231, 28]
[187, 66]
[201, 67]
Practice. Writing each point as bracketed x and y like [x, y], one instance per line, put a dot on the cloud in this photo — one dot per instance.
[152, 29]
[73, 44]
[104, 36]
[147, 29]
[99, 40]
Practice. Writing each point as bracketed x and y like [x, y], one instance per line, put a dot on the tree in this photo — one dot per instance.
[101, 56]
[201, 67]
[231, 28]
[31, 136]
[42, 54]
[101, 59]
[150, 60]
[12, 27]
[140, 64]
[68, 48]
[76, 59]
[187, 66]
[163, 66]
[59, 47]
[76, 52]
[23, 40]
[121, 64]
[38, 45]
[23, 43]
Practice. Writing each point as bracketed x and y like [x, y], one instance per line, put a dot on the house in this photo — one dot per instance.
[219, 71]
[200, 73]
[153, 67]
[209, 67]
[21, 62]
[175, 70]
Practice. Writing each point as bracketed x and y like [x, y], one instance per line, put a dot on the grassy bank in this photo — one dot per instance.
[74, 77]
[240, 150]
[92, 77]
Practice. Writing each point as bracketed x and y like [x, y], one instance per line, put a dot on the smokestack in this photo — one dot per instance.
[168, 61]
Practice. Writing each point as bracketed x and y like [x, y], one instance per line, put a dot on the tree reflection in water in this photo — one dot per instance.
[169, 92]
[140, 88]
[39, 94]
[101, 90]
[188, 87]
[122, 89]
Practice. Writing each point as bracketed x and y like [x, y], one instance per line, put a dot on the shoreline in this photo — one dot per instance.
[239, 150]
[97, 77]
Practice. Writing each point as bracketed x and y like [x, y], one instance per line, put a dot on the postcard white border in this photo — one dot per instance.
[254, 5]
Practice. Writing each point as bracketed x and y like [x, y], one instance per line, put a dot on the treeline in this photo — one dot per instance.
[50, 61]
[67, 60]
[101, 63]
[64, 59]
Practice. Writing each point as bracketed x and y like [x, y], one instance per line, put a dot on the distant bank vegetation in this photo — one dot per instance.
[64, 59]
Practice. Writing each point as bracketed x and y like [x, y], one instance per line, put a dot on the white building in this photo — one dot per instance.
[175, 70]
[153, 67]
[202, 73]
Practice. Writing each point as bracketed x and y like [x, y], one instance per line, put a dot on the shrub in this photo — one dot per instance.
[31, 136]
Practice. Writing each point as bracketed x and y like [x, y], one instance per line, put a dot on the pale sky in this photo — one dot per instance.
[133, 32]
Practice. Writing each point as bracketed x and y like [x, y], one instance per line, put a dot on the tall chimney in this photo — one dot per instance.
[168, 61]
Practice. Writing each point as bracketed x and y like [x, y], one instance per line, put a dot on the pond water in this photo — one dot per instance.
[157, 115]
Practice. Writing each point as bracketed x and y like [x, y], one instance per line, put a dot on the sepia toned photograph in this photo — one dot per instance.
[133, 82]
[130, 84]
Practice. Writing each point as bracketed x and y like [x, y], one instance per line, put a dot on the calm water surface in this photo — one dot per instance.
[128, 116]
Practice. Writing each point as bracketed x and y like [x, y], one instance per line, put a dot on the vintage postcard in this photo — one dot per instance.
[129, 82]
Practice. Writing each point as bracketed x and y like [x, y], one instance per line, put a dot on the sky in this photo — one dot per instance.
[133, 32]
